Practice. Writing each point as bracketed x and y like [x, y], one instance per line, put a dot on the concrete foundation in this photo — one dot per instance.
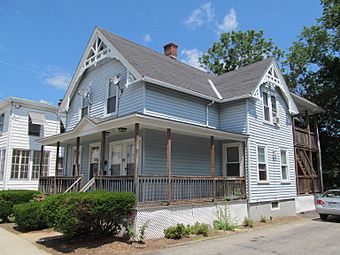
[272, 209]
[305, 203]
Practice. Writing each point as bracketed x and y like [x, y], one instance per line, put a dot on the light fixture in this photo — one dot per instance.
[122, 129]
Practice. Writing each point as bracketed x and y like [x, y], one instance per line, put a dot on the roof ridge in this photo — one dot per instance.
[157, 53]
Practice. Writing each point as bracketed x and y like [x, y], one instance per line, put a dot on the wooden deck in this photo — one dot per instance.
[155, 189]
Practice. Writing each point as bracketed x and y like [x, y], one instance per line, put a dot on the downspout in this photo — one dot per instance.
[207, 113]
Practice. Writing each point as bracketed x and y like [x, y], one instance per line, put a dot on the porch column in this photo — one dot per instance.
[168, 163]
[41, 160]
[137, 159]
[212, 166]
[102, 159]
[57, 159]
[77, 172]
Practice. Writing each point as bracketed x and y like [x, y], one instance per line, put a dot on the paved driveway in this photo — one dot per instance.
[309, 236]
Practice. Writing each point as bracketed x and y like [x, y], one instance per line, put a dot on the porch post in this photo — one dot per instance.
[212, 166]
[168, 163]
[137, 153]
[319, 155]
[41, 160]
[57, 159]
[77, 156]
[102, 159]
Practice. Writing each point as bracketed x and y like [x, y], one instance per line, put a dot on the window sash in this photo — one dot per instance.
[262, 163]
[33, 129]
[266, 109]
[36, 164]
[284, 165]
[2, 163]
[84, 111]
[20, 164]
[111, 101]
[274, 106]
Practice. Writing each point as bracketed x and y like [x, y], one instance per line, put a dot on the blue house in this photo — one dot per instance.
[180, 138]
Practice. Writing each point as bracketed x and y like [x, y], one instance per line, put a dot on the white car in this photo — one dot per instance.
[328, 203]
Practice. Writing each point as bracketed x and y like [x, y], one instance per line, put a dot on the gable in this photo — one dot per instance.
[273, 77]
[97, 49]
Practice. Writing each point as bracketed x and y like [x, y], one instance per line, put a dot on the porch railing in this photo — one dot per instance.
[59, 184]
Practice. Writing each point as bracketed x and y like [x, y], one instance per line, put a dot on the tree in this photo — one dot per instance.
[238, 49]
[313, 71]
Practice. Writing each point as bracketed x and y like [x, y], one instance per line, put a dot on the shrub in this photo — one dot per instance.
[176, 232]
[263, 219]
[248, 222]
[9, 198]
[199, 229]
[224, 221]
[88, 213]
[28, 216]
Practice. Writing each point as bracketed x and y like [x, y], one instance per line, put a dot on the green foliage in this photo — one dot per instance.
[313, 71]
[9, 198]
[224, 220]
[199, 229]
[237, 49]
[142, 230]
[248, 222]
[28, 216]
[176, 232]
[77, 214]
[263, 219]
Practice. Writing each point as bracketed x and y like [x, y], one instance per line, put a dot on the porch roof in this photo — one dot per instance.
[92, 127]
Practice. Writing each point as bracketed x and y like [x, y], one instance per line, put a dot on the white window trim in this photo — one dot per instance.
[240, 153]
[32, 164]
[82, 102]
[98, 144]
[20, 170]
[124, 144]
[107, 87]
[278, 205]
[287, 160]
[270, 95]
[266, 162]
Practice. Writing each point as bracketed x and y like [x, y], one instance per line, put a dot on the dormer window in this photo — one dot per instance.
[111, 104]
[274, 107]
[35, 123]
[85, 108]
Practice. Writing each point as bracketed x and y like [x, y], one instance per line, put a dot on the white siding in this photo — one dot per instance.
[275, 138]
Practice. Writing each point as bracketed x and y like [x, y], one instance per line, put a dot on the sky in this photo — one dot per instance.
[42, 41]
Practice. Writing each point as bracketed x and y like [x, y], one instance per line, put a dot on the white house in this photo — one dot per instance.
[22, 123]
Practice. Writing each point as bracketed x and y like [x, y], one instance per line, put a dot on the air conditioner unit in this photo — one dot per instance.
[276, 120]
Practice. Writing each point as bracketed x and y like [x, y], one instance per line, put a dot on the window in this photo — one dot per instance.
[36, 164]
[275, 205]
[20, 164]
[33, 129]
[266, 106]
[284, 166]
[85, 108]
[262, 165]
[232, 159]
[111, 98]
[2, 163]
[2, 121]
[36, 121]
[274, 108]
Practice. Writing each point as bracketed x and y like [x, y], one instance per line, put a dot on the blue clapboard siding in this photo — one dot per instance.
[179, 106]
[233, 116]
[190, 155]
[275, 138]
[95, 79]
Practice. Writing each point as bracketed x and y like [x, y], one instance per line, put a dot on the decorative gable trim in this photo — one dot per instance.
[97, 49]
[273, 77]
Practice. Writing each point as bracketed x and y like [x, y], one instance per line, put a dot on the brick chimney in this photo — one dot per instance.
[170, 50]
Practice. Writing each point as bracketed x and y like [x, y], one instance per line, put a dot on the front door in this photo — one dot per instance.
[94, 159]
[122, 157]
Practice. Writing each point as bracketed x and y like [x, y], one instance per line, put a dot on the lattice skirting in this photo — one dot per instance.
[163, 217]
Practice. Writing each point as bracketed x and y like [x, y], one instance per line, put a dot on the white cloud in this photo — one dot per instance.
[200, 16]
[59, 80]
[44, 102]
[229, 22]
[147, 38]
[191, 56]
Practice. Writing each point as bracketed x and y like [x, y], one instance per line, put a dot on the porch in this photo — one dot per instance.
[178, 164]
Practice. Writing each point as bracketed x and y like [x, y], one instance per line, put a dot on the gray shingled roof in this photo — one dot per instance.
[152, 64]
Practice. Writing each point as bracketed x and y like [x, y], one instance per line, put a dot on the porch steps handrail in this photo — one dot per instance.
[88, 185]
[73, 184]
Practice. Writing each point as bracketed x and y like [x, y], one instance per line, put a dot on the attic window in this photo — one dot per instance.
[85, 108]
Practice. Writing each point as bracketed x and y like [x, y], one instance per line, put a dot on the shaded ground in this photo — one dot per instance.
[54, 243]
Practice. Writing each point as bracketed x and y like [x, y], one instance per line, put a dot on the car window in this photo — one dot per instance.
[332, 194]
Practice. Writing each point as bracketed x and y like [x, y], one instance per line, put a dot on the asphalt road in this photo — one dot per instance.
[308, 236]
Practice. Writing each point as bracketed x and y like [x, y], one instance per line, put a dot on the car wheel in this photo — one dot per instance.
[323, 216]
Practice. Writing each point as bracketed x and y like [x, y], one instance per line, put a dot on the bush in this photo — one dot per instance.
[28, 216]
[248, 222]
[177, 232]
[224, 221]
[263, 219]
[88, 213]
[199, 229]
[9, 198]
